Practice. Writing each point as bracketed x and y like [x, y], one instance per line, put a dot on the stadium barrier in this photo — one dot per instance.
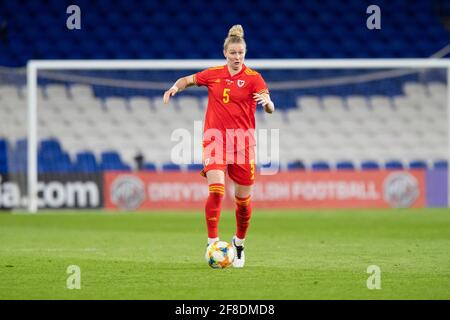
[187, 190]
[298, 189]
[55, 191]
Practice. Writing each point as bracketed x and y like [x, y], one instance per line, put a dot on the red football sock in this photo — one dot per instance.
[213, 207]
[243, 215]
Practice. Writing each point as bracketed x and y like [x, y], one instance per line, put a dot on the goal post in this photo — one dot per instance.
[35, 67]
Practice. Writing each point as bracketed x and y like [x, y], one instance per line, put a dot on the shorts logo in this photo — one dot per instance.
[401, 189]
[127, 192]
[240, 83]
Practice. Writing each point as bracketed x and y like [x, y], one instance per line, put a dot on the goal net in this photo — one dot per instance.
[88, 117]
[13, 142]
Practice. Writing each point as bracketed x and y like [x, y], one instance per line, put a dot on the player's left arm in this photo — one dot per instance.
[261, 94]
[265, 101]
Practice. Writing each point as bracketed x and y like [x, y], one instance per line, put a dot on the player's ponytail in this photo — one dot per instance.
[235, 35]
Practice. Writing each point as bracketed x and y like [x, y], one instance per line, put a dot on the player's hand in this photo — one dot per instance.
[169, 93]
[261, 99]
[264, 100]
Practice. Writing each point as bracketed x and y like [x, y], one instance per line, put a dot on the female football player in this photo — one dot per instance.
[228, 136]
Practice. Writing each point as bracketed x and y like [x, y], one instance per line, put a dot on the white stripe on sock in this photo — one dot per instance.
[238, 242]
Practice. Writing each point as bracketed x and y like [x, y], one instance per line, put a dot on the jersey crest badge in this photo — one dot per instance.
[240, 83]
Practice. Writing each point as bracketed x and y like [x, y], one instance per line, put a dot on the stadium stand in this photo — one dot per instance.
[111, 24]
[344, 138]
[357, 126]
[3, 156]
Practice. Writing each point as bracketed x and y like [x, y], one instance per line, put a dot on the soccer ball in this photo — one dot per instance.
[219, 255]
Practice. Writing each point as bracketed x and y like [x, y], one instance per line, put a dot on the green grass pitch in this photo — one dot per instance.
[291, 254]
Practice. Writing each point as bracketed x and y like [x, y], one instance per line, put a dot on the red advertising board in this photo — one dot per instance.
[293, 189]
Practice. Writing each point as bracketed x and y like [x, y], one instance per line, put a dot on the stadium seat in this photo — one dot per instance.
[50, 145]
[19, 156]
[110, 156]
[296, 165]
[345, 165]
[369, 165]
[195, 167]
[393, 165]
[52, 158]
[320, 166]
[418, 164]
[3, 156]
[115, 167]
[149, 166]
[86, 162]
[171, 167]
[440, 164]
[111, 161]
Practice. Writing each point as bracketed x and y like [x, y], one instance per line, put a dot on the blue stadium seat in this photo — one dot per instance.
[50, 145]
[86, 162]
[52, 159]
[320, 166]
[345, 165]
[111, 161]
[149, 166]
[54, 163]
[171, 167]
[440, 164]
[370, 165]
[296, 165]
[393, 165]
[115, 167]
[3, 156]
[418, 164]
[195, 167]
[19, 157]
[110, 157]
[267, 165]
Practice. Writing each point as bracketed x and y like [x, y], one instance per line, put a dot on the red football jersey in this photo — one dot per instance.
[230, 99]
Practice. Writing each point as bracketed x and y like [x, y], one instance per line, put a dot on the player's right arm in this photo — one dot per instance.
[179, 85]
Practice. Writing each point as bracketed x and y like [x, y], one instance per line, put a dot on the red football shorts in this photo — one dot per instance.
[239, 164]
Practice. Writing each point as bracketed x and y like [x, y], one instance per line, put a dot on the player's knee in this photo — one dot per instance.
[243, 203]
[216, 191]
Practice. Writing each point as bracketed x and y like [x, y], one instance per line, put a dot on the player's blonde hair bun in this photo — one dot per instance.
[236, 31]
[235, 35]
